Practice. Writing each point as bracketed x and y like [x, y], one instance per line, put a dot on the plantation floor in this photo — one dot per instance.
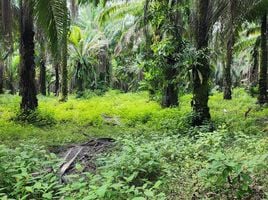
[159, 142]
[76, 120]
[115, 113]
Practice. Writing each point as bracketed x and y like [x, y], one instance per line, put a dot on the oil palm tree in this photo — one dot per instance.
[42, 63]
[259, 11]
[227, 77]
[263, 98]
[27, 71]
[237, 12]
[201, 71]
[6, 40]
[51, 17]
[64, 53]
[207, 13]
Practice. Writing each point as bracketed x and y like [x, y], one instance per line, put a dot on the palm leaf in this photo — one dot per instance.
[120, 10]
[51, 16]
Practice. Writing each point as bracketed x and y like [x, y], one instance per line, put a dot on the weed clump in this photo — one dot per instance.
[35, 118]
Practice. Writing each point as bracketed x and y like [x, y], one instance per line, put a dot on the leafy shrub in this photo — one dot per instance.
[137, 171]
[27, 172]
[229, 178]
[134, 172]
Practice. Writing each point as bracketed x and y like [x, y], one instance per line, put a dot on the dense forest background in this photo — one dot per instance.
[165, 47]
[177, 87]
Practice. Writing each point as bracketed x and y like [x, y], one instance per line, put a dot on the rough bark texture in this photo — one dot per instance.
[79, 79]
[263, 69]
[201, 71]
[42, 64]
[1, 78]
[227, 80]
[64, 73]
[170, 94]
[43, 88]
[6, 15]
[64, 70]
[27, 72]
[6, 22]
[57, 79]
[254, 72]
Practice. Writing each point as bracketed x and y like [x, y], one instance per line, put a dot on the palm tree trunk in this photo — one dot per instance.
[27, 72]
[42, 64]
[1, 78]
[254, 71]
[57, 80]
[201, 71]
[43, 88]
[64, 70]
[263, 69]
[74, 9]
[64, 73]
[10, 85]
[6, 13]
[79, 79]
[7, 35]
[170, 94]
[227, 78]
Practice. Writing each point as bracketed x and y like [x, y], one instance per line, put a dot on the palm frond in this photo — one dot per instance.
[120, 10]
[51, 16]
[245, 43]
[257, 9]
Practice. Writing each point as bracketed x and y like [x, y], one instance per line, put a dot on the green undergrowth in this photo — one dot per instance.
[59, 122]
[158, 154]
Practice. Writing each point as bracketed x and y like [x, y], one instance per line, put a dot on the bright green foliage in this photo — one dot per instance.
[170, 54]
[28, 172]
[230, 176]
[134, 46]
[158, 155]
[51, 16]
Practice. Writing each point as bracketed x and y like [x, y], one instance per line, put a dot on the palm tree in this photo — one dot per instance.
[64, 54]
[51, 16]
[263, 98]
[42, 63]
[235, 17]
[88, 49]
[57, 77]
[201, 71]
[6, 40]
[27, 72]
[227, 77]
[1, 78]
[259, 10]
